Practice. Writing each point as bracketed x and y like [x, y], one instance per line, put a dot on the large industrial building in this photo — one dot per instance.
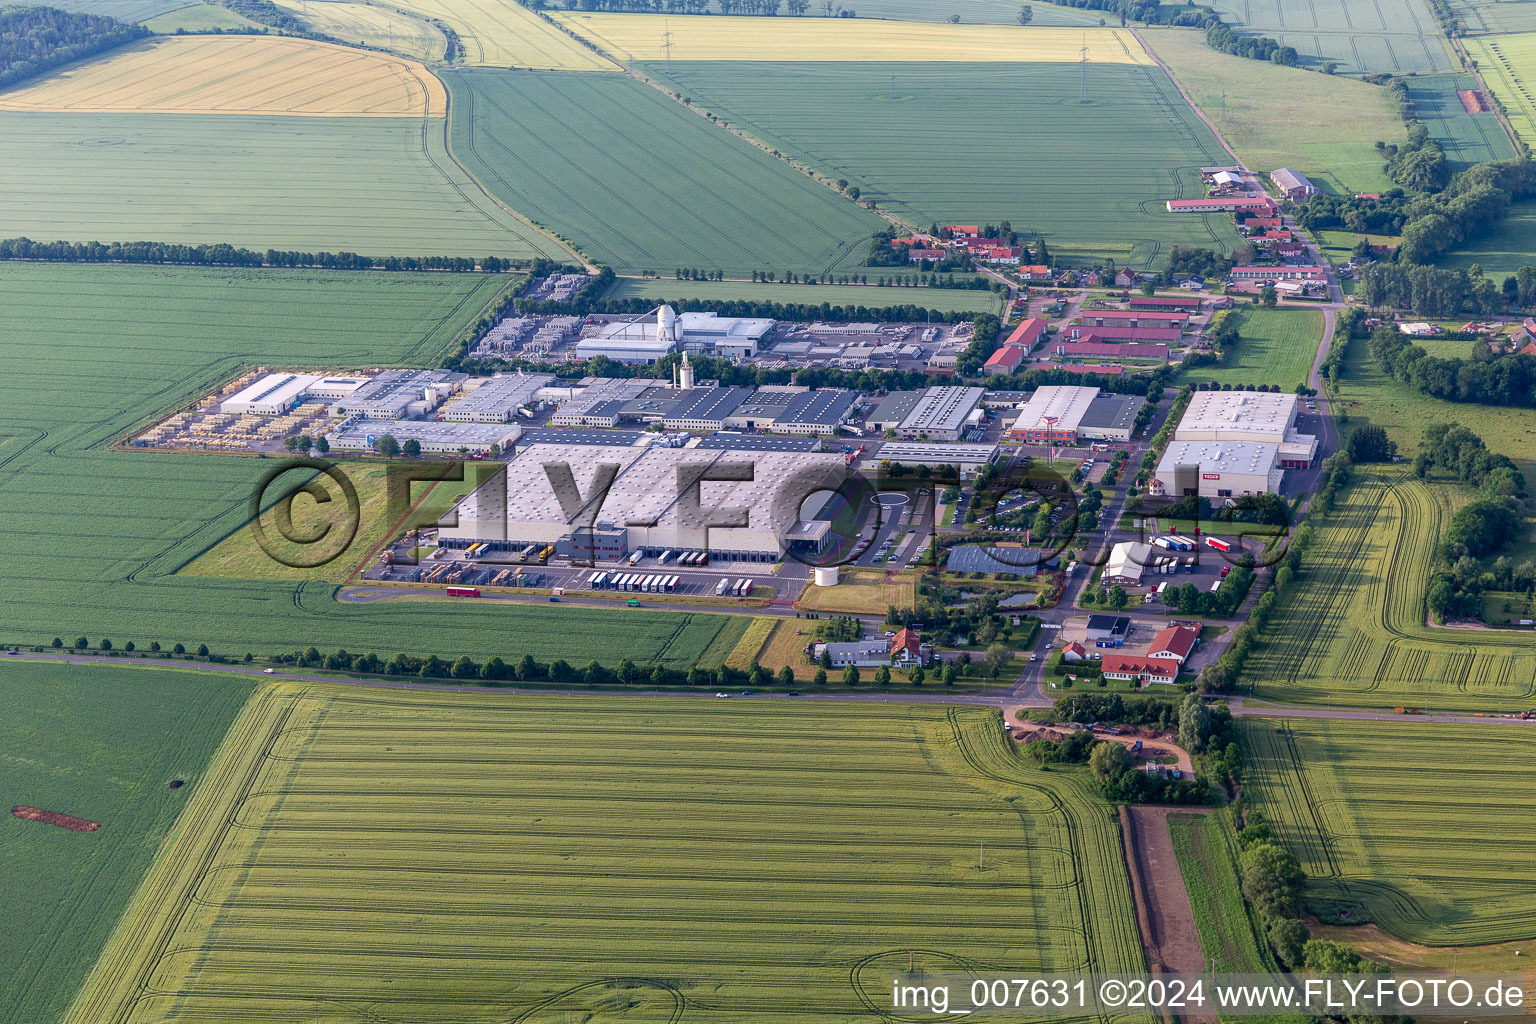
[647, 506]
[275, 393]
[1053, 414]
[968, 457]
[359, 433]
[661, 331]
[1217, 469]
[399, 394]
[596, 401]
[1110, 417]
[498, 399]
[1265, 417]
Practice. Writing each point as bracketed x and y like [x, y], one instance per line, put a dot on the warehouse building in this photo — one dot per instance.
[399, 394]
[893, 409]
[761, 516]
[969, 458]
[1286, 273]
[1223, 204]
[1135, 318]
[1128, 560]
[595, 401]
[820, 411]
[1218, 469]
[1110, 417]
[1110, 350]
[1164, 335]
[661, 331]
[1294, 185]
[562, 435]
[498, 399]
[763, 407]
[1053, 414]
[702, 408]
[1265, 417]
[361, 433]
[1186, 303]
[942, 413]
[270, 395]
[726, 442]
[1004, 360]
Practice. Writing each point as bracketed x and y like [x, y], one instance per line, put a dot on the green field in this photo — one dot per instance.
[1428, 827]
[198, 18]
[971, 12]
[1466, 138]
[926, 142]
[1510, 246]
[869, 296]
[1361, 36]
[1207, 854]
[1508, 66]
[1278, 346]
[1325, 127]
[123, 10]
[640, 183]
[96, 536]
[1495, 16]
[104, 744]
[374, 185]
[476, 857]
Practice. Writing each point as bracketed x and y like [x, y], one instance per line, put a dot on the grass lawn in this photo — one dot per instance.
[101, 743]
[1326, 127]
[861, 592]
[1277, 346]
[1504, 250]
[764, 862]
[946, 300]
[1431, 846]
[1207, 852]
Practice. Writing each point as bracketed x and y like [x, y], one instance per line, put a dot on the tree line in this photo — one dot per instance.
[224, 255]
[1483, 378]
[38, 39]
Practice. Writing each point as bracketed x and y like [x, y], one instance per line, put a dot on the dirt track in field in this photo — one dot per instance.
[55, 818]
[1163, 912]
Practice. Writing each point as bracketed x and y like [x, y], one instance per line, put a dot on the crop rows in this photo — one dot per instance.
[1356, 633]
[1507, 66]
[379, 186]
[1362, 36]
[239, 75]
[1057, 167]
[373, 26]
[505, 34]
[1466, 138]
[640, 183]
[1427, 826]
[466, 858]
[96, 536]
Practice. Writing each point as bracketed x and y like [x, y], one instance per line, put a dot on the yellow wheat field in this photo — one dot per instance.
[370, 25]
[238, 75]
[505, 34]
[640, 37]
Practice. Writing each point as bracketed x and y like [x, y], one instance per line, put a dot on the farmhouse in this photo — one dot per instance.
[1053, 413]
[1135, 318]
[1224, 204]
[752, 513]
[1035, 272]
[1139, 668]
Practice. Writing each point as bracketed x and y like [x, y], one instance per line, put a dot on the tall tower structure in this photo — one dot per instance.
[687, 372]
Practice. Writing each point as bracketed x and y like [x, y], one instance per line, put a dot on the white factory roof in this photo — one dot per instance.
[925, 451]
[1063, 404]
[272, 388]
[645, 491]
[1127, 560]
[943, 408]
[498, 395]
[1250, 457]
[1210, 413]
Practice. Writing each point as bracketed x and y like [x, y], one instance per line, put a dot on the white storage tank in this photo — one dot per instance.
[827, 576]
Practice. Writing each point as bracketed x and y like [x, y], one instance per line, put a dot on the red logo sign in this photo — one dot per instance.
[1210, 476]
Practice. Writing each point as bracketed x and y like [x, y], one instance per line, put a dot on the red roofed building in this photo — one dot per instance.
[1030, 330]
[1139, 668]
[1073, 651]
[907, 649]
[1176, 642]
[1224, 204]
[1004, 360]
[1259, 222]
[963, 230]
[1162, 334]
[997, 253]
[1035, 272]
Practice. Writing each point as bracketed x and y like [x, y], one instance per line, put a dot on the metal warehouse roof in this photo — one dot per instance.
[823, 407]
[758, 443]
[1019, 561]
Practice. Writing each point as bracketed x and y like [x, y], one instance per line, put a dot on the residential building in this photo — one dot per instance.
[1138, 668]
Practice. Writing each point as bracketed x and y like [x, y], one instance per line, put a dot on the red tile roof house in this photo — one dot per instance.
[1139, 668]
[963, 230]
[1035, 272]
[1176, 642]
[1073, 651]
[907, 649]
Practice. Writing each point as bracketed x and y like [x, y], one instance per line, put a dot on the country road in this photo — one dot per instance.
[1001, 698]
